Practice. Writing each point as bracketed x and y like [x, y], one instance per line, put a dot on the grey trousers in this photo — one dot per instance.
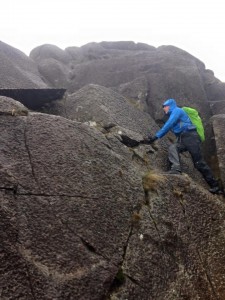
[190, 141]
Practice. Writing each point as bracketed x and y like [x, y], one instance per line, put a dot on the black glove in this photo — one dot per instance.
[152, 139]
[149, 140]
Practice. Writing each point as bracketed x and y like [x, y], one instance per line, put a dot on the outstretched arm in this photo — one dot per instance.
[173, 119]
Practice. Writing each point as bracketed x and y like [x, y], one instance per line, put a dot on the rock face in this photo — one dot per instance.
[217, 107]
[21, 80]
[86, 210]
[18, 70]
[219, 127]
[78, 222]
[161, 73]
[166, 241]
[119, 120]
[57, 207]
[144, 74]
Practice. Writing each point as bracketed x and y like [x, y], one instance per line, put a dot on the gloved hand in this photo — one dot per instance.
[152, 139]
[149, 139]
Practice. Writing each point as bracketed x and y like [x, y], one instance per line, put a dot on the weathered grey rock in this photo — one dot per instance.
[48, 51]
[103, 106]
[18, 70]
[219, 129]
[90, 51]
[79, 219]
[121, 121]
[74, 211]
[104, 50]
[217, 107]
[111, 114]
[126, 45]
[55, 72]
[136, 91]
[65, 226]
[144, 74]
[215, 89]
[169, 71]
[21, 80]
[172, 237]
[53, 64]
[8, 105]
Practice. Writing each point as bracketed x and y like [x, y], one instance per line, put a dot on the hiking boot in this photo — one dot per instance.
[174, 172]
[216, 190]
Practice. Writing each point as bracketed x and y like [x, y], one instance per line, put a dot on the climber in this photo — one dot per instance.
[187, 140]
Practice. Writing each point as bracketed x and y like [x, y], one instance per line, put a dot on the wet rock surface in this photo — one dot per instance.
[86, 210]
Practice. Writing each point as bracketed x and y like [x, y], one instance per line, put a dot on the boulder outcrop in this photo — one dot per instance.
[177, 227]
[21, 80]
[219, 128]
[167, 72]
[144, 74]
[119, 120]
[80, 219]
[57, 207]
[18, 70]
[86, 210]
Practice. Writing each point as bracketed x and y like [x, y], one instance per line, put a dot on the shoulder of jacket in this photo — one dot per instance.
[177, 110]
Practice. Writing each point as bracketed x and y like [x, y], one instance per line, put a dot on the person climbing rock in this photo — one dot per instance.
[187, 140]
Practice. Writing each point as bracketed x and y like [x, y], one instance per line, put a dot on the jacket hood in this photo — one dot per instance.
[171, 103]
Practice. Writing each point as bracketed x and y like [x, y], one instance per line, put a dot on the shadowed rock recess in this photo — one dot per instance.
[86, 210]
[33, 98]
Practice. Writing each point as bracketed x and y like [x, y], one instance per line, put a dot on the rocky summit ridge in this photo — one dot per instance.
[86, 212]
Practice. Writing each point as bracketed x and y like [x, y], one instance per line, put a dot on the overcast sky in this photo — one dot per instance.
[196, 26]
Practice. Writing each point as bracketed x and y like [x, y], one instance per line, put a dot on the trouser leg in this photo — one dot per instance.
[174, 157]
[193, 146]
[206, 172]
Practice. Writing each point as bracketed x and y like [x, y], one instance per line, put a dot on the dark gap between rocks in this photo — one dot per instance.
[33, 98]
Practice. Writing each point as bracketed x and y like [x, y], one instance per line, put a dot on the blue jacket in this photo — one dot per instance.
[178, 121]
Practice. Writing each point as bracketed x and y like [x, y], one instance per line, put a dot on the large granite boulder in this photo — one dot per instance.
[167, 255]
[178, 71]
[52, 64]
[18, 70]
[80, 221]
[48, 51]
[217, 107]
[144, 74]
[219, 129]
[167, 70]
[121, 123]
[136, 91]
[54, 72]
[66, 205]
[104, 50]
[215, 89]
[21, 80]
[87, 211]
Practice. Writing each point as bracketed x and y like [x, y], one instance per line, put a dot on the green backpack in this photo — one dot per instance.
[196, 120]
